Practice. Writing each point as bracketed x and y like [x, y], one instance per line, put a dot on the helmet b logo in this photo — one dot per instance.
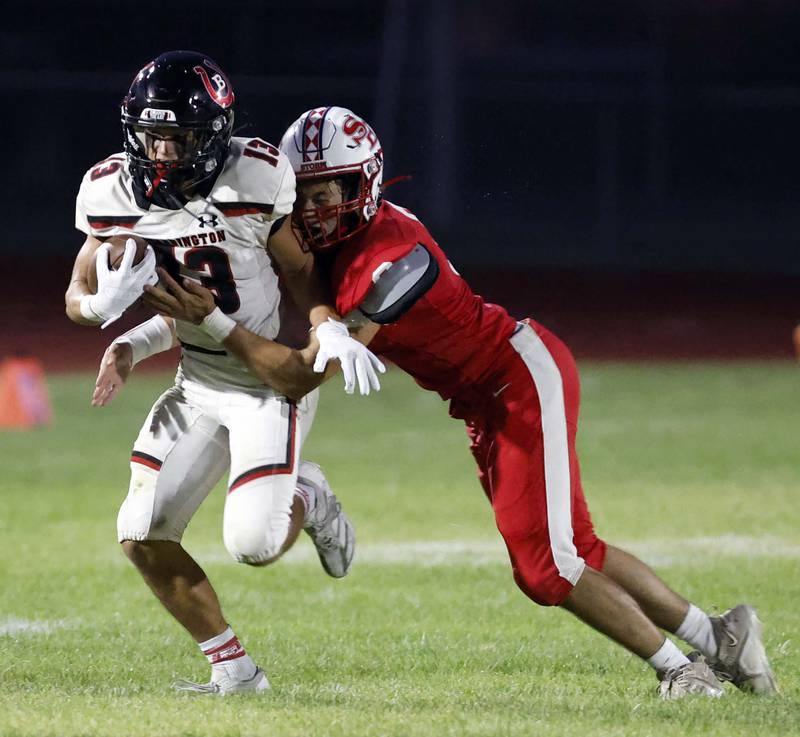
[221, 84]
[220, 91]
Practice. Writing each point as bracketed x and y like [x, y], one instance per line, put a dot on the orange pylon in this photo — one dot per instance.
[24, 401]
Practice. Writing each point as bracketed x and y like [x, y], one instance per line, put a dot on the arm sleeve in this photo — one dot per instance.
[148, 338]
[399, 284]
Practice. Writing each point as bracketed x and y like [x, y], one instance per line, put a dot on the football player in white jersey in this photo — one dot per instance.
[214, 208]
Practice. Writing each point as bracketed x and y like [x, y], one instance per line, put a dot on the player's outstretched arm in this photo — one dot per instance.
[302, 278]
[286, 370]
[293, 372]
[289, 371]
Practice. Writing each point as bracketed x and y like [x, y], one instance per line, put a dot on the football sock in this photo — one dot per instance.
[307, 495]
[667, 657]
[227, 657]
[696, 629]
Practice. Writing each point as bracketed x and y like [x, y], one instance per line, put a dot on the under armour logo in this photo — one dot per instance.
[206, 220]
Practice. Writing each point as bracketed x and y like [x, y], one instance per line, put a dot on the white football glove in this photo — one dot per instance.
[118, 289]
[359, 363]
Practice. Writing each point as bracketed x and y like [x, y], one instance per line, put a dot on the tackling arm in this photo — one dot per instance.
[300, 275]
[289, 371]
[286, 370]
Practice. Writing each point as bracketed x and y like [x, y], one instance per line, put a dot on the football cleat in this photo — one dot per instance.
[691, 679]
[741, 658]
[328, 526]
[225, 685]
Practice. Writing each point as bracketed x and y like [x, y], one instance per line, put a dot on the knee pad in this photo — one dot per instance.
[257, 518]
[253, 544]
[139, 517]
[136, 513]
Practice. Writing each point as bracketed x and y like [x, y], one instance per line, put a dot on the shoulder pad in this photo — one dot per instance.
[257, 179]
[398, 285]
[104, 204]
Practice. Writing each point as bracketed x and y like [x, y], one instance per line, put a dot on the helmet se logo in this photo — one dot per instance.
[358, 130]
[220, 91]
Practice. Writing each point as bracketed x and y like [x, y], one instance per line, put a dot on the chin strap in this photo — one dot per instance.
[395, 180]
[161, 171]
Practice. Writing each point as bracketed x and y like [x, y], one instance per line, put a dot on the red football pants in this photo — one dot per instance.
[523, 439]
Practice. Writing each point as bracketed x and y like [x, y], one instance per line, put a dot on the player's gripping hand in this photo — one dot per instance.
[115, 367]
[118, 289]
[358, 362]
[190, 302]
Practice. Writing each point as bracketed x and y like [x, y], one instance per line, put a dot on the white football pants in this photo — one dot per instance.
[192, 434]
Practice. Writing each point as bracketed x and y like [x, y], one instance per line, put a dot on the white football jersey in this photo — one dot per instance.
[219, 241]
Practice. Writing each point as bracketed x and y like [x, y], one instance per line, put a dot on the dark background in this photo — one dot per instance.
[636, 160]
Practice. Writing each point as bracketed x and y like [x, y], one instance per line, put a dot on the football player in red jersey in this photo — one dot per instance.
[515, 385]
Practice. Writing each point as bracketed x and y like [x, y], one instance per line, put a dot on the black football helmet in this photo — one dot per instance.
[182, 97]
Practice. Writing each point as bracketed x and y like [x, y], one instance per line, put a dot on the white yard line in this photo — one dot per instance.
[692, 551]
[682, 551]
[12, 626]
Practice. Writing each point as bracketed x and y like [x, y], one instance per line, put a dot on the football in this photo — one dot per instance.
[115, 253]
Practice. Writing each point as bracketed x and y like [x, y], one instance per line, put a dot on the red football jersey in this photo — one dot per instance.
[450, 340]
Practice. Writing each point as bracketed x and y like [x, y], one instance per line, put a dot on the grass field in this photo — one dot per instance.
[694, 467]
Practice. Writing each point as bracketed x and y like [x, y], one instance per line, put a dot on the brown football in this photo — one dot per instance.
[115, 253]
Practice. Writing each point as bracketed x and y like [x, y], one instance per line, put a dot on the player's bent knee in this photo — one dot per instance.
[546, 589]
[253, 545]
[544, 570]
[543, 577]
[137, 553]
[152, 558]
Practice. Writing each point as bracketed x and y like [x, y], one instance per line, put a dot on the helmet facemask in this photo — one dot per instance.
[194, 155]
[322, 227]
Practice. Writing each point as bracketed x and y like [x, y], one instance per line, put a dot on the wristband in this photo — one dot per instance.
[147, 339]
[86, 309]
[218, 325]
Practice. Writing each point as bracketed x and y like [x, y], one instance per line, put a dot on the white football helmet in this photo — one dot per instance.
[334, 143]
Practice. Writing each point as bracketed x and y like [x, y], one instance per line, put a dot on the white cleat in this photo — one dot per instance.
[225, 685]
[328, 526]
[741, 658]
[691, 679]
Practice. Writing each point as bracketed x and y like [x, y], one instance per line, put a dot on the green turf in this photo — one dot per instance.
[416, 641]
